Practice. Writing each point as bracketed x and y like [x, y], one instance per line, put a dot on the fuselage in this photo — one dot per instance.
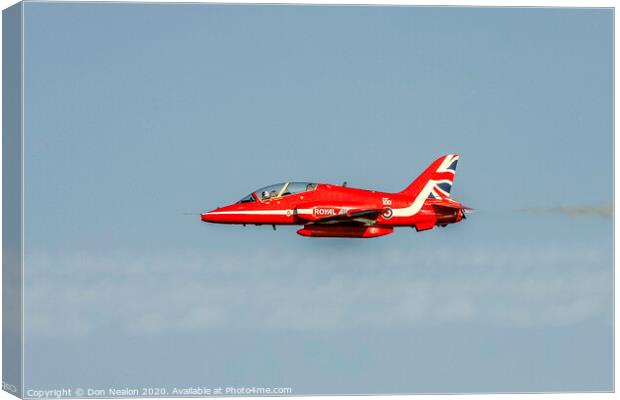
[326, 200]
[327, 210]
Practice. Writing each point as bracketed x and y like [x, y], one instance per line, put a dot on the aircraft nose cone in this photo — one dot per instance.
[207, 217]
[218, 215]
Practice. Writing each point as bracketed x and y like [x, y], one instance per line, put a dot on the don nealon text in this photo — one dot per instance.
[156, 391]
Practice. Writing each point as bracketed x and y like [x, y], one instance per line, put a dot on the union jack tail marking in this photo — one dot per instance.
[436, 181]
[444, 177]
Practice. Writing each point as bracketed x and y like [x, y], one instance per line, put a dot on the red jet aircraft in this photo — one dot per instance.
[327, 210]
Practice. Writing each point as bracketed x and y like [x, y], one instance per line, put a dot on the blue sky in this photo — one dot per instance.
[137, 114]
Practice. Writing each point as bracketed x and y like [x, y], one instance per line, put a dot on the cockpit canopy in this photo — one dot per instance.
[279, 190]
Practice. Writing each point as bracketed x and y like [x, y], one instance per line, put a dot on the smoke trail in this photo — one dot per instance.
[601, 211]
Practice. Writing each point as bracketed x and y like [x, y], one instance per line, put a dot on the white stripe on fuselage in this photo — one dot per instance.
[253, 212]
[269, 212]
[417, 204]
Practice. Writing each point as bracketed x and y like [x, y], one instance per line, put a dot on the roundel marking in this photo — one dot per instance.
[387, 214]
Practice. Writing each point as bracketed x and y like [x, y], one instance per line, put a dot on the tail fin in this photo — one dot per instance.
[441, 172]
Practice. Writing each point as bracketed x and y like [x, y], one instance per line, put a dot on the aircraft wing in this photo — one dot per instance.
[451, 207]
[450, 204]
[339, 214]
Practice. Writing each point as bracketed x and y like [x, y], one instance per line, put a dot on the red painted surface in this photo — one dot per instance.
[344, 231]
[328, 210]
